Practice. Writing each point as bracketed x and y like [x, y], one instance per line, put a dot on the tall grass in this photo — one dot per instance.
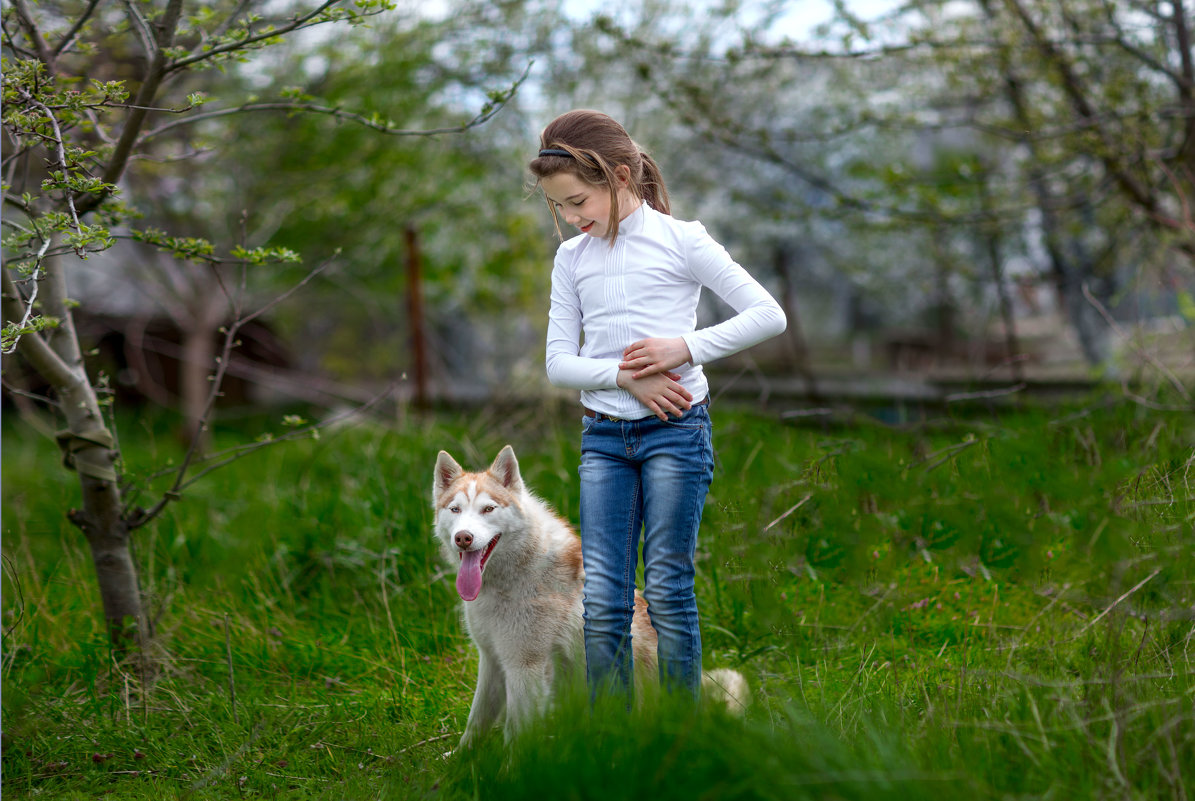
[991, 606]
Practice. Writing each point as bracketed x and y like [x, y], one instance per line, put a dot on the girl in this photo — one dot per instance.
[622, 329]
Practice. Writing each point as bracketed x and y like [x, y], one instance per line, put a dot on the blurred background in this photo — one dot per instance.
[947, 198]
[965, 207]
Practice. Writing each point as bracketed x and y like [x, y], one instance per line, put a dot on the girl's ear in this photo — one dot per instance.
[623, 174]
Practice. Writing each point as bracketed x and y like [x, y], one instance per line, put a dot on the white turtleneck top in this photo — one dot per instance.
[647, 285]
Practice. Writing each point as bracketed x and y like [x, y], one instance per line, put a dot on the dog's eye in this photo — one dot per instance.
[456, 510]
[488, 509]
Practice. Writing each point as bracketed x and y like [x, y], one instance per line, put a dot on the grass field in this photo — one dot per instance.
[980, 606]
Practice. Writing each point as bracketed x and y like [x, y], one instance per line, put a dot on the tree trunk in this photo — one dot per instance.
[1069, 274]
[991, 237]
[88, 448]
[115, 567]
[415, 315]
[798, 349]
[1090, 327]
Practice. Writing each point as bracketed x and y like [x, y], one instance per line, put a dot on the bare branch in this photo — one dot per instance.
[141, 26]
[69, 38]
[232, 17]
[1142, 352]
[44, 54]
[11, 41]
[181, 480]
[1182, 35]
[33, 347]
[60, 153]
[224, 458]
[306, 280]
[29, 303]
[296, 24]
[1076, 92]
[145, 95]
[478, 119]
[1183, 82]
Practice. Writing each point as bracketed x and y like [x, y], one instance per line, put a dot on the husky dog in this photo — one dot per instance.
[520, 576]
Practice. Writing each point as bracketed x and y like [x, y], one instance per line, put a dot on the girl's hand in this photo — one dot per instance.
[659, 392]
[655, 355]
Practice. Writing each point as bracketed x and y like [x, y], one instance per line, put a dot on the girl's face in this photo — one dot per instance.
[586, 205]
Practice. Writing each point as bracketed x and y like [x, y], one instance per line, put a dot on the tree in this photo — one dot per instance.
[92, 93]
[1081, 111]
[461, 198]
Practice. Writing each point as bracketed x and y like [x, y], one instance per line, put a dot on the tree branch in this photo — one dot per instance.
[478, 119]
[1182, 35]
[33, 347]
[1179, 79]
[139, 24]
[140, 517]
[181, 481]
[60, 155]
[44, 54]
[31, 303]
[1142, 352]
[1073, 87]
[295, 24]
[69, 38]
[145, 96]
[232, 17]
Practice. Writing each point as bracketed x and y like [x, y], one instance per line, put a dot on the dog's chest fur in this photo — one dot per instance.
[530, 603]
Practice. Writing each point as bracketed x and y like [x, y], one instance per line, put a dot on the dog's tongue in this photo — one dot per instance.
[468, 578]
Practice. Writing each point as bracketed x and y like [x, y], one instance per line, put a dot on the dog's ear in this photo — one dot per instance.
[506, 469]
[447, 471]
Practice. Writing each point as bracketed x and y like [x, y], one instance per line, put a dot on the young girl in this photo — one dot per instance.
[622, 329]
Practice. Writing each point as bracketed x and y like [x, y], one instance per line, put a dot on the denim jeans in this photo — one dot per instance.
[653, 476]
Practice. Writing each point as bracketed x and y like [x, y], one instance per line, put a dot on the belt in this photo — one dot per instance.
[600, 416]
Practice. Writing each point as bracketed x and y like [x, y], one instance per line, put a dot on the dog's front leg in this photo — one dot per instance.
[489, 699]
[526, 696]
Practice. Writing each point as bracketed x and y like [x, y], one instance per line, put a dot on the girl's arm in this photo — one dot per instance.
[565, 367]
[758, 316]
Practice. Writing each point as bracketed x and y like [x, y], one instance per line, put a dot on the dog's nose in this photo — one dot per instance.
[463, 539]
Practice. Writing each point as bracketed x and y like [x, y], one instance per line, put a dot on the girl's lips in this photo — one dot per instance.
[585, 228]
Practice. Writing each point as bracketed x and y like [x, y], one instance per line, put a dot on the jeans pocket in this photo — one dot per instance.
[694, 419]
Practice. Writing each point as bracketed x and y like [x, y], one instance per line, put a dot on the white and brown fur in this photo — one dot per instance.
[527, 619]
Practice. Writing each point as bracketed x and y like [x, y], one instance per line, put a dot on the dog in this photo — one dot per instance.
[520, 576]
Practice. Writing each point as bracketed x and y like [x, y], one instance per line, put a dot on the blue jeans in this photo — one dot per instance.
[652, 476]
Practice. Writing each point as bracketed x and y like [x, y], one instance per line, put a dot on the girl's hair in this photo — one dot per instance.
[596, 145]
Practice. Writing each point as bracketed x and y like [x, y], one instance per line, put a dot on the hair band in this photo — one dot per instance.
[552, 151]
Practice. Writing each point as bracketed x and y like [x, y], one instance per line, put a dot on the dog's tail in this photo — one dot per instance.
[728, 687]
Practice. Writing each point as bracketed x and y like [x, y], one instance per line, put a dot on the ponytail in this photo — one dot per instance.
[652, 188]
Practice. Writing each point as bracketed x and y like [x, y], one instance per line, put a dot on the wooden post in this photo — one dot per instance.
[415, 314]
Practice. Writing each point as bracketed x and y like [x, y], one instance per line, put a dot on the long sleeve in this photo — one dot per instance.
[758, 316]
[566, 368]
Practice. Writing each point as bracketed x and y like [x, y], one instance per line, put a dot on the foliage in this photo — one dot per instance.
[916, 148]
[989, 605]
[457, 200]
[83, 86]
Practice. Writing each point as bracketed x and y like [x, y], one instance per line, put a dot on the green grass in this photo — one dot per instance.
[982, 607]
